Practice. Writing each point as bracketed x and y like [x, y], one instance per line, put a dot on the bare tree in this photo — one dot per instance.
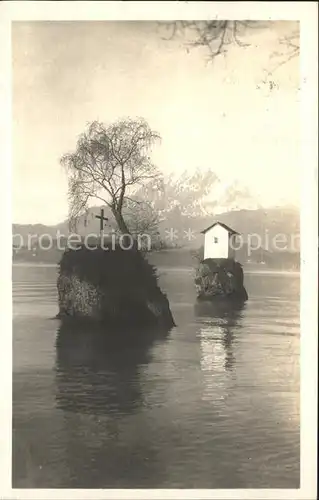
[217, 35]
[289, 48]
[109, 164]
[214, 35]
[141, 218]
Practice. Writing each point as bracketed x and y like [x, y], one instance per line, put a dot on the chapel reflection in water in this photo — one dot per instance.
[220, 324]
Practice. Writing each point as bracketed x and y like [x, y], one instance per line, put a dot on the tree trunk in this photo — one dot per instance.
[120, 222]
[127, 238]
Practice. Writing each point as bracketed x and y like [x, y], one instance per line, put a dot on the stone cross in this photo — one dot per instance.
[102, 219]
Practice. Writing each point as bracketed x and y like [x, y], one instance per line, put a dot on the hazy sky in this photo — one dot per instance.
[209, 115]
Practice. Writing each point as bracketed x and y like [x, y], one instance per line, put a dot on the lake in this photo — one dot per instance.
[214, 404]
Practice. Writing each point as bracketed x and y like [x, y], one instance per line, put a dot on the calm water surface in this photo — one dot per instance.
[215, 404]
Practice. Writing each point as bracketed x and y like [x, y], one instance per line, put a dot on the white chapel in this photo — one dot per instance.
[220, 242]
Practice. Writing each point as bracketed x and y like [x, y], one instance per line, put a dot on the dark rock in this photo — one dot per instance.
[220, 279]
[118, 287]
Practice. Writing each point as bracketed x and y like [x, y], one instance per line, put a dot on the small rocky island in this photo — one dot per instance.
[115, 287]
[219, 276]
[218, 279]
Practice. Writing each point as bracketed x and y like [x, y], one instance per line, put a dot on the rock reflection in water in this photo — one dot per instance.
[98, 371]
[99, 388]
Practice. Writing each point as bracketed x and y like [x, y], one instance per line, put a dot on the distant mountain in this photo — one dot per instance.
[198, 193]
[266, 223]
[186, 205]
[257, 227]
